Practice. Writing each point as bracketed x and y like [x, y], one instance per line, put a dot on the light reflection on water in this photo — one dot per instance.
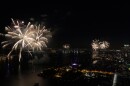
[26, 76]
[14, 74]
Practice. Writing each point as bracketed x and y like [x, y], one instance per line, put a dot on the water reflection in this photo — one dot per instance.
[16, 74]
[22, 75]
[8, 70]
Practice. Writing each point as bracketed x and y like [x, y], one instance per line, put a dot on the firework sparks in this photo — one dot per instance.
[96, 44]
[104, 45]
[66, 46]
[26, 37]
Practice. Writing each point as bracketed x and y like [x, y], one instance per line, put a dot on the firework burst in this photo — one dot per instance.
[96, 44]
[25, 37]
[104, 45]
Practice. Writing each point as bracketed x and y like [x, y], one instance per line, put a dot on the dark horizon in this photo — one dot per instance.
[78, 25]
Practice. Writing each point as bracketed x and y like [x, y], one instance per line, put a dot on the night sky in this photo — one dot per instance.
[77, 24]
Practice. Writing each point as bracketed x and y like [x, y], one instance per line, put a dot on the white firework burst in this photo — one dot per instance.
[29, 37]
[104, 45]
[66, 46]
[95, 45]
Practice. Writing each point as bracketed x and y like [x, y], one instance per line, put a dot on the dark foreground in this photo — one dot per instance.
[62, 70]
[30, 75]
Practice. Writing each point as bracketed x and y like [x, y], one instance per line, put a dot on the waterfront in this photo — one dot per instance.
[26, 74]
